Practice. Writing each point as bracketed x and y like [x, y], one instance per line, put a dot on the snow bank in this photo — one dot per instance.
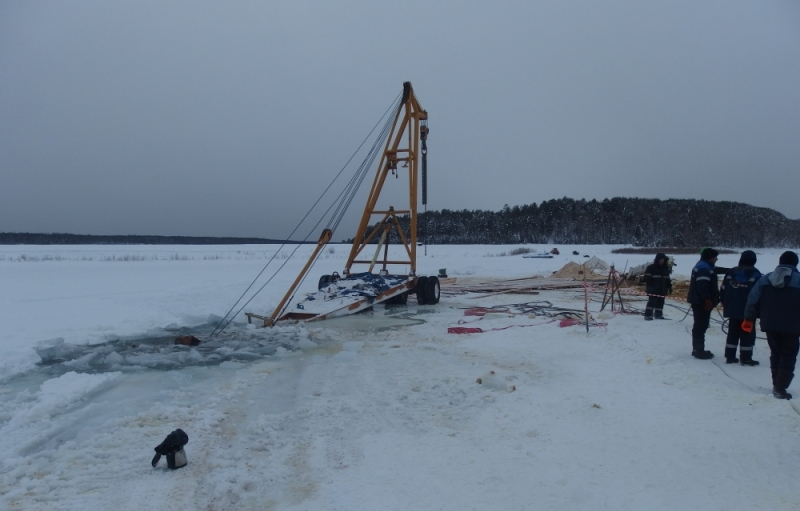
[32, 419]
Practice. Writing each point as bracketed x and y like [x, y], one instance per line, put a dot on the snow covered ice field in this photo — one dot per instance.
[376, 412]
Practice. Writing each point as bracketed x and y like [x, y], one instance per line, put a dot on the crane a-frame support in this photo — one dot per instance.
[402, 146]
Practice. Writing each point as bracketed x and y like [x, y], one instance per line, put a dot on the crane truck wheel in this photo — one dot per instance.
[400, 299]
[422, 290]
[432, 291]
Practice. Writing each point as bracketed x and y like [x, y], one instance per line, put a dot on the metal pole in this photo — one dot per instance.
[585, 298]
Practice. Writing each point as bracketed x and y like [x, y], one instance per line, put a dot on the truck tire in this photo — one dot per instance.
[400, 299]
[422, 290]
[433, 291]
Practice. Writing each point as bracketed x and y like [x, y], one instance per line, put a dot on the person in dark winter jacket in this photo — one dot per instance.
[656, 276]
[703, 297]
[733, 292]
[776, 300]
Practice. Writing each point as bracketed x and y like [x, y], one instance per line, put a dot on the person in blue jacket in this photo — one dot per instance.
[776, 300]
[733, 293]
[703, 297]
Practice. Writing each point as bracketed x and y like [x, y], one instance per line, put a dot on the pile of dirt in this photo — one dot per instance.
[574, 271]
[680, 288]
[596, 264]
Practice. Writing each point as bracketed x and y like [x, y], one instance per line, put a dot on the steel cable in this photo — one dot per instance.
[393, 106]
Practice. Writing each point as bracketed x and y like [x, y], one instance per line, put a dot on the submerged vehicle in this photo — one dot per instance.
[379, 278]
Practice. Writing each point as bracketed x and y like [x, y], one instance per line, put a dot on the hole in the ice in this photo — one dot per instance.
[240, 344]
[162, 352]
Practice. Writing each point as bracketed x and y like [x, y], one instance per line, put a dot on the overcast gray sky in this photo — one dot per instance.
[229, 118]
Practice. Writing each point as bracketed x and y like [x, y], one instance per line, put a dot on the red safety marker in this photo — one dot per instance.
[464, 330]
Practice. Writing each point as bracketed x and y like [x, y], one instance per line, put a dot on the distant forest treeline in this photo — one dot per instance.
[623, 221]
[24, 238]
[618, 221]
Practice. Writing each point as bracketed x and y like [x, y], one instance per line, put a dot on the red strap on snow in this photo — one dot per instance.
[463, 330]
[474, 330]
[481, 311]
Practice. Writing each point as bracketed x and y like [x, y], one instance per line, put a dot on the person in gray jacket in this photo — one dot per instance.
[776, 300]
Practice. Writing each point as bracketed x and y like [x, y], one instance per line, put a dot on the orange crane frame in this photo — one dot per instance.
[402, 146]
[410, 122]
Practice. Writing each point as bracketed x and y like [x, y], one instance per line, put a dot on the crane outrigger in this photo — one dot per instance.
[405, 149]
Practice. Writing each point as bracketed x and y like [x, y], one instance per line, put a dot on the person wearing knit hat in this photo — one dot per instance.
[775, 299]
[733, 292]
[708, 253]
[703, 297]
[788, 258]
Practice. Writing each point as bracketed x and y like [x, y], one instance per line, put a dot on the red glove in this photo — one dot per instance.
[747, 326]
[709, 305]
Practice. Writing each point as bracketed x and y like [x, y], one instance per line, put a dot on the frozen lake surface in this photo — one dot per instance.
[378, 411]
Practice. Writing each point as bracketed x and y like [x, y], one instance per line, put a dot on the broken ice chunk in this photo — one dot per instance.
[305, 344]
[154, 360]
[114, 358]
[195, 355]
[244, 355]
[84, 362]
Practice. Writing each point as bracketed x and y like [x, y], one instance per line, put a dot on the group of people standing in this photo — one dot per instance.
[745, 295]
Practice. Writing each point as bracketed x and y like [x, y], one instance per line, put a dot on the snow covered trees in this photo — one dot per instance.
[641, 222]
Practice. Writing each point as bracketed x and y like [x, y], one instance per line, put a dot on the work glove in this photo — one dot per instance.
[708, 304]
[747, 326]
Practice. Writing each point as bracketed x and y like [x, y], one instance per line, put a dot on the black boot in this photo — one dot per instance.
[782, 381]
[703, 355]
[698, 344]
[781, 393]
[733, 360]
[749, 362]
